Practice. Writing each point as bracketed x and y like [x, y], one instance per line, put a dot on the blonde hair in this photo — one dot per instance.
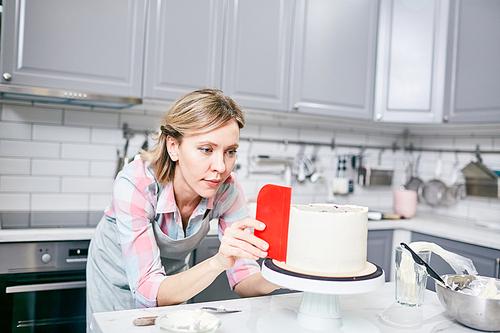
[197, 112]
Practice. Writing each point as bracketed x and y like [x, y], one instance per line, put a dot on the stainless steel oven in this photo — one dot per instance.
[42, 286]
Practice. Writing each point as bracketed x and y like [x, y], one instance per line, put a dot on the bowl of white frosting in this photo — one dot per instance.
[476, 306]
[186, 321]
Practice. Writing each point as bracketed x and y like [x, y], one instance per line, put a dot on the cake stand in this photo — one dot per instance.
[320, 307]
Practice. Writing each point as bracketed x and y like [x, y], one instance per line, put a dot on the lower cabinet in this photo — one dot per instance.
[486, 260]
[379, 250]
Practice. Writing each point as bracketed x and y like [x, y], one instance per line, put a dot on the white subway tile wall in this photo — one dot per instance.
[93, 119]
[60, 134]
[15, 166]
[57, 165]
[28, 114]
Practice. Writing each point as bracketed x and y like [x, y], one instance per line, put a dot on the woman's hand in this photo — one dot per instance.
[238, 243]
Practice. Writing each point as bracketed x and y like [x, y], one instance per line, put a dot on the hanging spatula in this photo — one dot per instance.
[273, 208]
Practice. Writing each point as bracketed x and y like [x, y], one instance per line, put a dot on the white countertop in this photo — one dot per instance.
[445, 227]
[440, 226]
[377, 307]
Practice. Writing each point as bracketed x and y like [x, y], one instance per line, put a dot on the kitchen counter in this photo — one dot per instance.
[461, 230]
[377, 307]
[440, 226]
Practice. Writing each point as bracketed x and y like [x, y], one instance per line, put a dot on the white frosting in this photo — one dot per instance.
[490, 290]
[327, 238]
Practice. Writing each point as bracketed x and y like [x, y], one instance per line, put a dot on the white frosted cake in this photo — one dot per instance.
[327, 239]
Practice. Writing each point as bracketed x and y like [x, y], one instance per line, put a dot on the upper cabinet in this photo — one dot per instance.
[473, 73]
[183, 47]
[75, 45]
[334, 57]
[257, 53]
[405, 61]
[242, 47]
[411, 61]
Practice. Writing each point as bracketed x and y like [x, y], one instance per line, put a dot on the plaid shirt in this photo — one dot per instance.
[135, 204]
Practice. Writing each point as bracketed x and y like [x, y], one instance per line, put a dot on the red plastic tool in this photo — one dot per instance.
[273, 208]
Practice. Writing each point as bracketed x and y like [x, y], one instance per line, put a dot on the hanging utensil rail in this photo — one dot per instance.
[394, 147]
[410, 148]
[332, 145]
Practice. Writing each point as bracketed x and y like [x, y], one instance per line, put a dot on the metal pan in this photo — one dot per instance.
[433, 191]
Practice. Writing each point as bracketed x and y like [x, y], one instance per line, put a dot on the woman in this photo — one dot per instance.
[160, 211]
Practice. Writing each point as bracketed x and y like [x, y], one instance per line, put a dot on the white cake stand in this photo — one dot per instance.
[320, 307]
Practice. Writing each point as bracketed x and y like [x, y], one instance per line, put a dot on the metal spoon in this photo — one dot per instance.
[220, 309]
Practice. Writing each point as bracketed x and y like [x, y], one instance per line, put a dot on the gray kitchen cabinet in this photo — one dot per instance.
[334, 58]
[411, 61]
[486, 260]
[184, 46]
[257, 53]
[86, 46]
[380, 249]
[473, 72]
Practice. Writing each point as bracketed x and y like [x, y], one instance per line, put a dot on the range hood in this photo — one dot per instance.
[59, 96]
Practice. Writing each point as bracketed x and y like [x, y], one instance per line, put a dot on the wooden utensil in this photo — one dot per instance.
[144, 321]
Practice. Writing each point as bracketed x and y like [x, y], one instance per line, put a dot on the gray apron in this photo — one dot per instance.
[175, 253]
[108, 280]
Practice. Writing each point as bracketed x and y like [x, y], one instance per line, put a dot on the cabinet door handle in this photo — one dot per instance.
[297, 105]
[497, 268]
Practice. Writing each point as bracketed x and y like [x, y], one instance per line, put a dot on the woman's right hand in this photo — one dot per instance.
[238, 243]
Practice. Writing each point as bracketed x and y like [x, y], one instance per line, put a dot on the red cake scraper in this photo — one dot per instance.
[273, 208]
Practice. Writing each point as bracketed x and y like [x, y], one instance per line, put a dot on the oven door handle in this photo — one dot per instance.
[45, 287]
[76, 260]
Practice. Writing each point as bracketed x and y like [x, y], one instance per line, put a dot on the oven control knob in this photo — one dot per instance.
[46, 258]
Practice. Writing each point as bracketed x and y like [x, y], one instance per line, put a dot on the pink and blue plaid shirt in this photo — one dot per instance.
[134, 206]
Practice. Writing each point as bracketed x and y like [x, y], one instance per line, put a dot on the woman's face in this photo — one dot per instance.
[204, 160]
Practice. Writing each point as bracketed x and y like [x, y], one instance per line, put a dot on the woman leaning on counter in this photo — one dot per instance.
[160, 210]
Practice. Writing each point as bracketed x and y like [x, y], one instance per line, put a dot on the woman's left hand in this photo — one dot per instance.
[238, 243]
